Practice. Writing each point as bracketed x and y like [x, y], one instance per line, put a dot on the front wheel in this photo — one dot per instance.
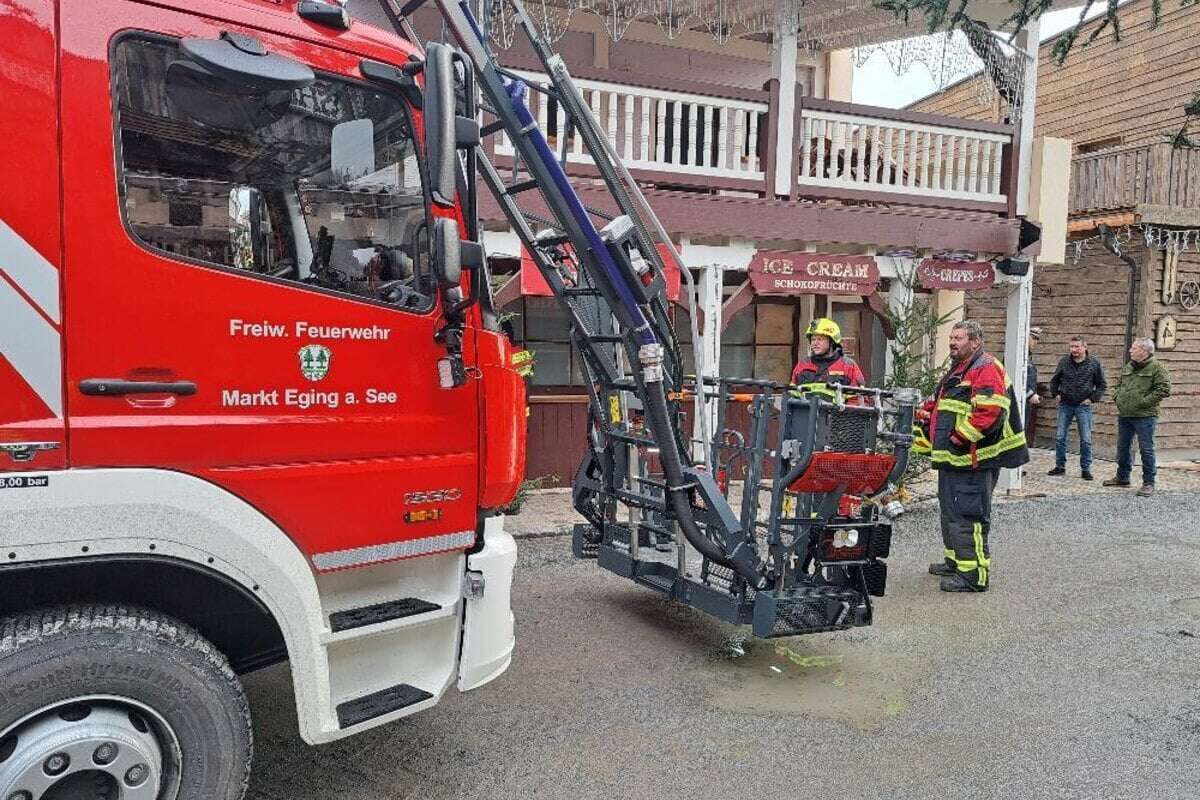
[104, 702]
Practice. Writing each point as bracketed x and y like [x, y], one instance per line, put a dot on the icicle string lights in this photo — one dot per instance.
[819, 24]
[1179, 240]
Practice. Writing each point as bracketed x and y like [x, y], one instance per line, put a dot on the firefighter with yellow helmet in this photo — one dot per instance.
[826, 361]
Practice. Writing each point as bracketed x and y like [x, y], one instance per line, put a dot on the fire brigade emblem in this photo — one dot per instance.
[314, 361]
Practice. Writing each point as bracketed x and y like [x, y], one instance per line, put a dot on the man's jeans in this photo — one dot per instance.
[1066, 413]
[1144, 428]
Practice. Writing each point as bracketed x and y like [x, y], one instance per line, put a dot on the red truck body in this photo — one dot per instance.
[223, 397]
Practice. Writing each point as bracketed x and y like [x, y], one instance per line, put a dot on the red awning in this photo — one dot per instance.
[534, 285]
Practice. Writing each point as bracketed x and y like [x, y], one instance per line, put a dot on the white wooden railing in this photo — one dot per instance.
[848, 151]
[660, 131]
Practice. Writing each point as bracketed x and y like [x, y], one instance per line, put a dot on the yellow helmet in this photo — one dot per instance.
[825, 327]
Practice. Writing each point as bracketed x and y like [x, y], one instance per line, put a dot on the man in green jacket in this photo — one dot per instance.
[1143, 384]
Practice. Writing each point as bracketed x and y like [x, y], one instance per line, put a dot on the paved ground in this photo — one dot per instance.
[1076, 677]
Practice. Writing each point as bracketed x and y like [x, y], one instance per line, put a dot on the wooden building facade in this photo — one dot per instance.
[748, 149]
[1118, 103]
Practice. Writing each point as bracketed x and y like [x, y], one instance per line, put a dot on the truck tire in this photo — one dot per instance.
[103, 702]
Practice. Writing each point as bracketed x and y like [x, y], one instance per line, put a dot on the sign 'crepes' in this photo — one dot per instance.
[936, 273]
[783, 273]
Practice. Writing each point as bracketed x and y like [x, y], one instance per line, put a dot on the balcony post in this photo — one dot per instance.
[768, 139]
[1027, 41]
[801, 141]
[783, 107]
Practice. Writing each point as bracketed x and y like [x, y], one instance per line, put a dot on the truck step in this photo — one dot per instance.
[380, 612]
[376, 704]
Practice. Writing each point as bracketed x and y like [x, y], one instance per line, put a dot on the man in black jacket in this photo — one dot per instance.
[1078, 382]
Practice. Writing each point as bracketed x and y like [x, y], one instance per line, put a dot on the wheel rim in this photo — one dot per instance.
[90, 748]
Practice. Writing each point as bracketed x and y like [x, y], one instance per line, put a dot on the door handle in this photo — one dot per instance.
[101, 387]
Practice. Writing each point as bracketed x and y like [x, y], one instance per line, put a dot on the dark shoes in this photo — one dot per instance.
[941, 568]
[1086, 475]
[1146, 490]
[957, 583]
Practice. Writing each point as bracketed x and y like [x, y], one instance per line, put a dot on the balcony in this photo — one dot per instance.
[725, 140]
[1146, 178]
[689, 135]
[880, 154]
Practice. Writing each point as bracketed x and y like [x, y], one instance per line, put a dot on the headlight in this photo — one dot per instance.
[845, 538]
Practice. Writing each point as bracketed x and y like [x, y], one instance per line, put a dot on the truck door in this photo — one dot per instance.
[32, 433]
[249, 287]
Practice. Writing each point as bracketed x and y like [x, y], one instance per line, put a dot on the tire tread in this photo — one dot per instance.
[46, 624]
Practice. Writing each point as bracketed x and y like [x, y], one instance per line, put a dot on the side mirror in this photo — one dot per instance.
[440, 145]
[447, 253]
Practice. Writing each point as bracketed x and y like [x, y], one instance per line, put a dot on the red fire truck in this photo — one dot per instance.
[247, 363]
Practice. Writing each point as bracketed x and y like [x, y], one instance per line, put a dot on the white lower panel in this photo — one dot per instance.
[488, 623]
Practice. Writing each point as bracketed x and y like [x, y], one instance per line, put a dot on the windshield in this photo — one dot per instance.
[319, 185]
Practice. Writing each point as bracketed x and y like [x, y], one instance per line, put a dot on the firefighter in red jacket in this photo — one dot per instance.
[826, 363]
[970, 429]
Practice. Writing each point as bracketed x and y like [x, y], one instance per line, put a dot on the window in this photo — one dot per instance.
[848, 316]
[760, 343]
[547, 332]
[319, 186]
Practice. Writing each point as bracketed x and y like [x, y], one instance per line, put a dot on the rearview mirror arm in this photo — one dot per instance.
[401, 79]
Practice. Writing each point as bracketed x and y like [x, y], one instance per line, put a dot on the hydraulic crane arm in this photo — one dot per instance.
[766, 564]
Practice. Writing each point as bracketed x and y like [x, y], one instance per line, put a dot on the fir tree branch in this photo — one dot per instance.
[1192, 109]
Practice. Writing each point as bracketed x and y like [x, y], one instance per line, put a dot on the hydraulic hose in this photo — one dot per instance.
[656, 409]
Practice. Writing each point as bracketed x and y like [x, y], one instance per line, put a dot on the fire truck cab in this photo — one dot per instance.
[247, 364]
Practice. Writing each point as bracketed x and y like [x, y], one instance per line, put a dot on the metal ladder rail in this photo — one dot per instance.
[602, 359]
[720, 536]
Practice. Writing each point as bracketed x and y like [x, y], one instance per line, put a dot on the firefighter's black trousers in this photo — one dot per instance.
[965, 498]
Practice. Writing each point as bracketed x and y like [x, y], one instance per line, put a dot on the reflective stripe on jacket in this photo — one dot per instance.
[974, 420]
[812, 377]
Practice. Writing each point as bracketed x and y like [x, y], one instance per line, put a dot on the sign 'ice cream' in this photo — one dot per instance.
[782, 273]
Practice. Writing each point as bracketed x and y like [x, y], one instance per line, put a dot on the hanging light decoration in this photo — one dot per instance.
[671, 16]
[618, 15]
[762, 16]
[551, 18]
[716, 17]
[499, 23]
[945, 56]
[833, 25]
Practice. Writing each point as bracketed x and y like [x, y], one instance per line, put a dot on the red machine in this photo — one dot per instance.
[247, 363]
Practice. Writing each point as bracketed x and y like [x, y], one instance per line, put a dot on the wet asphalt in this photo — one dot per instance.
[1077, 676]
